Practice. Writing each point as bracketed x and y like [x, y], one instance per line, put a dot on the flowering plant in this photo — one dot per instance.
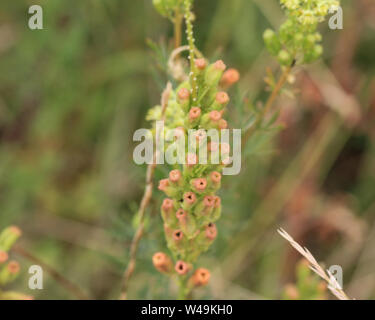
[9, 270]
[198, 102]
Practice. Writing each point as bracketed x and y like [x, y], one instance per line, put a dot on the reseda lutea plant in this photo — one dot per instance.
[191, 208]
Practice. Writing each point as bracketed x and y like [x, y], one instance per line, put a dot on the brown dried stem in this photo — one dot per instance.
[143, 206]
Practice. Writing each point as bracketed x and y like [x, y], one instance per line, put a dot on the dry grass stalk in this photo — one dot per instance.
[144, 204]
[333, 285]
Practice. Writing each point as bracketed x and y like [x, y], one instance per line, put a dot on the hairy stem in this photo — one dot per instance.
[190, 37]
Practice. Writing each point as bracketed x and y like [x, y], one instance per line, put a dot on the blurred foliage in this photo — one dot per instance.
[308, 286]
[72, 94]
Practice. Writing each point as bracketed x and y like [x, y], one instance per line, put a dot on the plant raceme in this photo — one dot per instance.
[9, 270]
[191, 206]
[297, 40]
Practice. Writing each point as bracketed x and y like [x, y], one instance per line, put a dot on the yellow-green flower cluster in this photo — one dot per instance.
[297, 40]
[9, 270]
[309, 12]
[167, 7]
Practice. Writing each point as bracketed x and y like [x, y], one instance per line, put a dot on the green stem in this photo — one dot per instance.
[190, 37]
[184, 290]
[271, 99]
[177, 28]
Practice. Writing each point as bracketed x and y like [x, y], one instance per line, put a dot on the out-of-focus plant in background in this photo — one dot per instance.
[72, 94]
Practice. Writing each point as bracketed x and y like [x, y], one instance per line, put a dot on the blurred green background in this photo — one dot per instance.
[72, 94]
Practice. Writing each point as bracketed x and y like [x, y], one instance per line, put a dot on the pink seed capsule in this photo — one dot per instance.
[217, 201]
[201, 277]
[211, 231]
[222, 97]
[230, 77]
[167, 205]
[220, 65]
[177, 235]
[175, 176]
[200, 184]
[190, 197]
[215, 115]
[162, 262]
[223, 124]
[181, 267]
[3, 256]
[181, 214]
[194, 113]
[208, 201]
[215, 177]
[163, 184]
[183, 94]
[13, 267]
[200, 63]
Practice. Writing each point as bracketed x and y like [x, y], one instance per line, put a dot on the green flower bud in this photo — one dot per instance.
[214, 72]
[165, 7]
[311, 39]
[8, 237]
[160, 7]
[298, 39]
[284, 58]
[314, 54]
[318, 37]
[318, 50]
[272, 42]
[9, 272]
